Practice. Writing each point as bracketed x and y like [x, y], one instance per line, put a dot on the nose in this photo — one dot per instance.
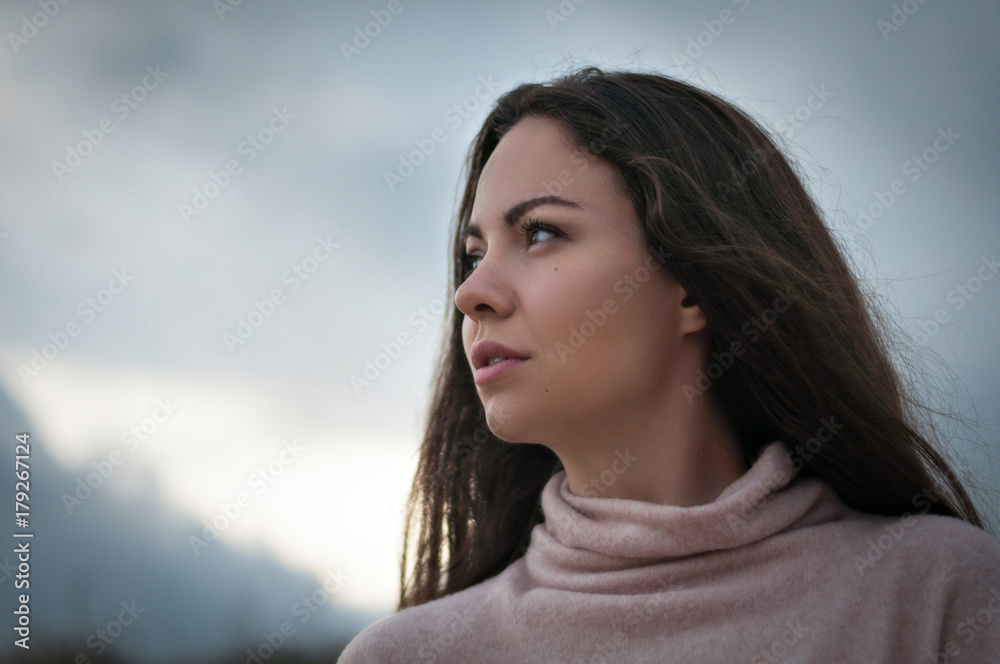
[488, 288]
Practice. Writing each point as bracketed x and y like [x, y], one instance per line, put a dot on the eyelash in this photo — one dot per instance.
[526, 229]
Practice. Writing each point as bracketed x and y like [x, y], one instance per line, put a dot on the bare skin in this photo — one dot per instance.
[607, 400]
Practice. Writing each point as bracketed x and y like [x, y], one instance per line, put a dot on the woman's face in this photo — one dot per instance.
[580, 296]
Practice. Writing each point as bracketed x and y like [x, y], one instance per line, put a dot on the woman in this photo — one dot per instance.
[666, 426]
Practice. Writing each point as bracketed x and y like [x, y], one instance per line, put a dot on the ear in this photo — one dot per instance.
[691, 318]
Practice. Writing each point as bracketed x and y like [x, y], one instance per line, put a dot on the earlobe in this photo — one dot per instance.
[695, 319]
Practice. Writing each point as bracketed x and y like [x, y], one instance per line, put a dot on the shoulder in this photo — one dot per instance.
[420, 632]
[941, 546]
[932, 560]
[953, 573]
[912, 542]
[950, 546]
[923, 579]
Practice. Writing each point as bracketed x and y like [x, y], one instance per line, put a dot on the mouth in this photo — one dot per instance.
[491, 353]
[500, 366]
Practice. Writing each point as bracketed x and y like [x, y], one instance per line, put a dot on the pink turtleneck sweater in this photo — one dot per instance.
[795, 576]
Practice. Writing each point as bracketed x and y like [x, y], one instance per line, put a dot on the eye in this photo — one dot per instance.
[468, 264]
[529, 227]
[532, 226]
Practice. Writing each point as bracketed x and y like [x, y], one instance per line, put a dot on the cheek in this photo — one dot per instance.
[570, 317]
[610, 328]
[645, 330]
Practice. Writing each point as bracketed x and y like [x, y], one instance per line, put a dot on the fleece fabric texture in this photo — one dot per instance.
[776, 569]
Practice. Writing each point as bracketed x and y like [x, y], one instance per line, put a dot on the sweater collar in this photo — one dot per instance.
[584, 537]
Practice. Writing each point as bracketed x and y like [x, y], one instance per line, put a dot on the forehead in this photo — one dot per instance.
[540, 156]
[530, 150]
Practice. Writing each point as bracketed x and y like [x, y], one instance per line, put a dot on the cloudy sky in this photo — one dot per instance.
[200, 249]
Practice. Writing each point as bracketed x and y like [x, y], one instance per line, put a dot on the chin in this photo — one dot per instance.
[506, 419]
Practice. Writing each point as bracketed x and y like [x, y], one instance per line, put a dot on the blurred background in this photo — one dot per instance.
[218, 217]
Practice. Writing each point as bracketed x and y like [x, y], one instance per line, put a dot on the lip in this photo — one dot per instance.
[483, 350]
[484, 374]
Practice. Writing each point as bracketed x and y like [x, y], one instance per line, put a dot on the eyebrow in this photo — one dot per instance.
[511, 216]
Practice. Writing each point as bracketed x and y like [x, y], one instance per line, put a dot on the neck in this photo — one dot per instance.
[684, 456]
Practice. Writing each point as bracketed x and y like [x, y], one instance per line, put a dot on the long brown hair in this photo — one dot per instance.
[735, 226]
